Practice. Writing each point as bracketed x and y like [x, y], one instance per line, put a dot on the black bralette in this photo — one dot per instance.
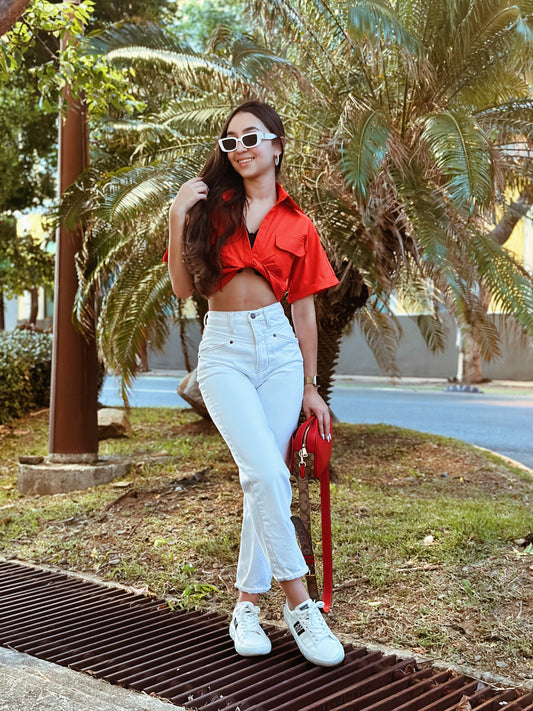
[252, 236]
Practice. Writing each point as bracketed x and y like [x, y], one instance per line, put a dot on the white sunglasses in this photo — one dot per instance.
[248, 140]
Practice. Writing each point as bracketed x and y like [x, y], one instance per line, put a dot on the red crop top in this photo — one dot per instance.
[287, 252]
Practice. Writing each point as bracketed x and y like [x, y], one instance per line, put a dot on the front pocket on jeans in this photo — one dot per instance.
[210, 345]
[286, 338]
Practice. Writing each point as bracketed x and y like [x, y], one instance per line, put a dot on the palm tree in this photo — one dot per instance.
[423, 98]
[402, 119]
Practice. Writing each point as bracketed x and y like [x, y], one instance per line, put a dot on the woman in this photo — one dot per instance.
[239, 239]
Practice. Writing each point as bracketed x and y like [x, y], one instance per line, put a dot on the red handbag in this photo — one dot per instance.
[305, 441]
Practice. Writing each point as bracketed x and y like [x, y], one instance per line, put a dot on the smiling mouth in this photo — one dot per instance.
[244, 161]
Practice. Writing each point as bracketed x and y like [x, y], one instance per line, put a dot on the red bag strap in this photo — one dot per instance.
[298, 448]
[327, 558]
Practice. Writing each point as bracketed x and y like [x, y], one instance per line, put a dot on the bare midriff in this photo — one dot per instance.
[245, 292]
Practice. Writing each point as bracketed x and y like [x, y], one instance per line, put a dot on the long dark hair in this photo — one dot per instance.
[202, 243]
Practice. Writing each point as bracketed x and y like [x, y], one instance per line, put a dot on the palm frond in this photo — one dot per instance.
[198, 116]
[256, 63]
[135, 189]
[485, 334]
[433, 329]
[414, 15]
[134, 312]
[365, 150]
[187, 65]
[146, 34]
[248, 57]
[524, 30]
[382, 334]
[485, 35]
[462, 153]
[376, 20]
[509, 120]
[303, 32]
[95, 276]
[79, 201]
[509, 283]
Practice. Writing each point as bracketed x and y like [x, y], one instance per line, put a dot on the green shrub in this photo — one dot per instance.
[25, 371]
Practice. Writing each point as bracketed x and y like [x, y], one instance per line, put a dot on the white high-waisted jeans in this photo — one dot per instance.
[250, 372]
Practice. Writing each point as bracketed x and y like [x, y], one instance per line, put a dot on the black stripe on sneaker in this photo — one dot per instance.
[298, 628]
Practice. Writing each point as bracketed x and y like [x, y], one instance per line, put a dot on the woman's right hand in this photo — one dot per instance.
[188, 195]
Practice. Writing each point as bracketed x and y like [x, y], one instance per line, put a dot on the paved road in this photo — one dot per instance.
[502, 422]
[498, 420]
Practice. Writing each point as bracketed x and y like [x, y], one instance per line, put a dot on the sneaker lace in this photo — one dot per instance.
[248, 618]
[314, 622]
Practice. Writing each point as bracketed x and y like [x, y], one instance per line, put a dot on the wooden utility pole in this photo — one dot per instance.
[73, 398]
[10, 11]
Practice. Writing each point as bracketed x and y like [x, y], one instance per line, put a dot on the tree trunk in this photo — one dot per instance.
[514, 213]
[335, 310]
[34, 308]
[472, 360]
[2, 312]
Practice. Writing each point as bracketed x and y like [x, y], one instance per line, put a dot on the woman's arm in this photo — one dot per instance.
[188, 195]
[304, 320]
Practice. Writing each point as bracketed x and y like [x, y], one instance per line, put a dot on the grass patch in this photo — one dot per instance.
[424, 532]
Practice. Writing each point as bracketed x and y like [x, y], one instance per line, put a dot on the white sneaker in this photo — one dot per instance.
[313, 637]
[246, 632]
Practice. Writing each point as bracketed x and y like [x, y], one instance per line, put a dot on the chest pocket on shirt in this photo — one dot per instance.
[279, 261]
[293, 243]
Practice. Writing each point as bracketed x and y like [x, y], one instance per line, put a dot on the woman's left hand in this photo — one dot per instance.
[313, 404]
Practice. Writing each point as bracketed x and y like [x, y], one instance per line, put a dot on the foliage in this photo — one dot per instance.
[28, 139]
[24, 262]
[103, 87]
[25, 367]
[32, 75]
[397, 117]
[418, 146]
[109, 11]
[25, 371]
[198, 19]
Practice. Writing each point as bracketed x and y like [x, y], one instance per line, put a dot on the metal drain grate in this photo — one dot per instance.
[188, 657]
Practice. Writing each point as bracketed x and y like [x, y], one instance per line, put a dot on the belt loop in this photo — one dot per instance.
[232, 321]
[267, 320]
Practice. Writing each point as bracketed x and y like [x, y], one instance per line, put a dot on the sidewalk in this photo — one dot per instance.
[438, 383]
[388, 381]
[30, 684]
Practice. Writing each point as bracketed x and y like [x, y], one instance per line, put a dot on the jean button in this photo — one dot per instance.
[252, 315]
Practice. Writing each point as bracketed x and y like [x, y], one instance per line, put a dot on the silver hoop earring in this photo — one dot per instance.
[276, 161]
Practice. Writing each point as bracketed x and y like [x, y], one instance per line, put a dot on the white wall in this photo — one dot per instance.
[11, 313]
[413, 357]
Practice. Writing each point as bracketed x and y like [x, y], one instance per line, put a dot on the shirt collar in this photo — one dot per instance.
[283, 196]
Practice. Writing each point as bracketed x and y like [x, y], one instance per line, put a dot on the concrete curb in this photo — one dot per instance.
[505, 459]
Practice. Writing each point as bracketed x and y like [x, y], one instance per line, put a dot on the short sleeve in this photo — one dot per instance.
[311, 272]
